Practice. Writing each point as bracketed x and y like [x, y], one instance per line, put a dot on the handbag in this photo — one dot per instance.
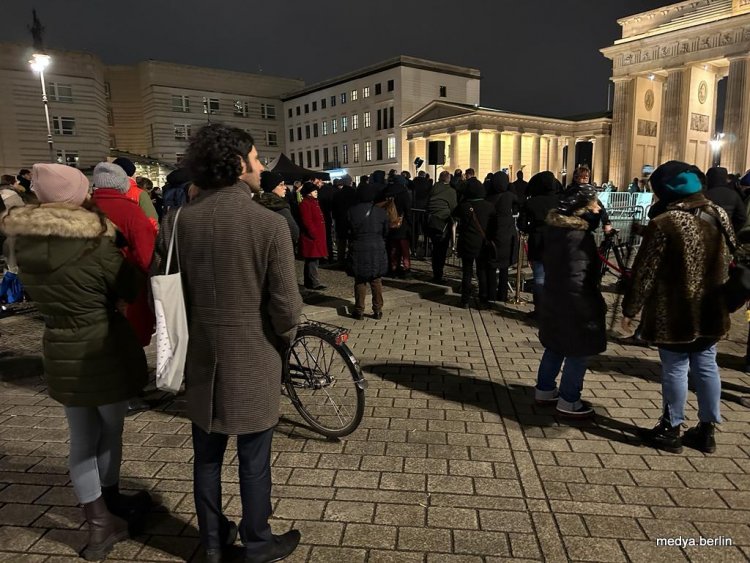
[171, 322]
[488, 246]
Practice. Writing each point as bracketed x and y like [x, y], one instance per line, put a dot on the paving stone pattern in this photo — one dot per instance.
[453, 461]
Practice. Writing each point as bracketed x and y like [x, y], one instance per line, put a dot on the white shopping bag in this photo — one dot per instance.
[171, 322]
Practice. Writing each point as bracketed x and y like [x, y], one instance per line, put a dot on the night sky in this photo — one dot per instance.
[536, 56]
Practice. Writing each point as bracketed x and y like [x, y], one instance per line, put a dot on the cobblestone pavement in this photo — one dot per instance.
[453, 461]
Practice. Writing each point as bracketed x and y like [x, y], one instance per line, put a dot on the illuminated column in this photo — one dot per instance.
[734, 156]
[474, 150]
[516, 152]
[453, 152]
[497, 143]
[674, 115]
[412, 156]
[554, 156]
[535, 149]
[597, 160]
[622, 129]
[570, 164]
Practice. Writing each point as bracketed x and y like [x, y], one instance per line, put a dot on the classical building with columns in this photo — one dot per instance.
[666, 71]
[489, 140]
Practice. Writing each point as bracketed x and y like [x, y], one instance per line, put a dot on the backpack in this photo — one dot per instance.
[394, 219]
[175, 196]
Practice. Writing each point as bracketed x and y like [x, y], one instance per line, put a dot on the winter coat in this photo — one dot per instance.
[343, 201]
[421, 190]
[572, 320]
[677, 274]
[532, 219]
[139, 239]
[368, 230]
[441, 204]
[142, 198]
[240, 287]
[601, 219]
[470, 240]
[402, 198]
[503, 224]
[312, 240]
[71, 268]
[10, 197]
[519, 188]
[271, 201]
[731, 202]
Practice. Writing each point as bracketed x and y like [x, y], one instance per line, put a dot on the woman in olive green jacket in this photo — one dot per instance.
[70, 266]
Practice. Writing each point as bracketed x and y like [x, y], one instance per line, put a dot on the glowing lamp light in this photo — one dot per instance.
[39, 62]
[717, 142]
[651, 76]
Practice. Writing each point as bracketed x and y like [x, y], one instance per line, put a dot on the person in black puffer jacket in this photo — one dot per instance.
[572, 320]
[399, 252]
[722, 194]
[343, 201]
[505, 203]
[274, 198]
[368, 227]
[475, 215]
[543, 195]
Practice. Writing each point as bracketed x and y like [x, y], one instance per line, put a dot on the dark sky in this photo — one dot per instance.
[536, 56]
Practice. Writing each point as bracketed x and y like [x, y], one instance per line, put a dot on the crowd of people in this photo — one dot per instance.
[85, 258]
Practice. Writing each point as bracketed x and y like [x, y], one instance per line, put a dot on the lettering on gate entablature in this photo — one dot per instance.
[699, 122]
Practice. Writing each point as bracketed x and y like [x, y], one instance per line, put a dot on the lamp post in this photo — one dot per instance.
[38, 63]
[716, 144]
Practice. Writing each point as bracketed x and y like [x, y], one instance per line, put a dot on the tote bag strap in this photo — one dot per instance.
[173, 244]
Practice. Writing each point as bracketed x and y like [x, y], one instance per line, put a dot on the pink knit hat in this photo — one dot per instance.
[58, 183]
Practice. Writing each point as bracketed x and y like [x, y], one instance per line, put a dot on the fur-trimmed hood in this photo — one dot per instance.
[54, 220]
[574, 222]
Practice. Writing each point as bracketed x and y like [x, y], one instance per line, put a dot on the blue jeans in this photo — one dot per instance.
[537, 269]
[571, 382]
[702, 368]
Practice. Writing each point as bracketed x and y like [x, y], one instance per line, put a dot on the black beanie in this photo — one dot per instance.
[308, 188]
[269, 180]
[126, 164]
[579, 199]
[717, 177]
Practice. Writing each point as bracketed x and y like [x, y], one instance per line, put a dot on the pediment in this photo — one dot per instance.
[439, 110]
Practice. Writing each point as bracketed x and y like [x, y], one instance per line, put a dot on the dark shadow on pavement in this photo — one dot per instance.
[428, 291]
[512, 402]
[14, 367]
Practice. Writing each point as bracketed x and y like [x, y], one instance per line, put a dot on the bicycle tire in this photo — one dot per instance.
[356, 381]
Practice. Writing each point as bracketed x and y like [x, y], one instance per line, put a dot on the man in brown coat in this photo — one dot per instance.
[240, 286]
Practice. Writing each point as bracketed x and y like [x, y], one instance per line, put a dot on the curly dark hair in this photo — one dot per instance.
[214, 155]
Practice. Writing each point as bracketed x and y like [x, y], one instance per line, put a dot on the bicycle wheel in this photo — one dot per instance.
[324, 383]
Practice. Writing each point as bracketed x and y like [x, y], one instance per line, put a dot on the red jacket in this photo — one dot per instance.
[143, 200]
[140, 237]
[312, 239]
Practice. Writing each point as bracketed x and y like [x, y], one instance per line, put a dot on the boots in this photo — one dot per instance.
[126, 506]
[663, 436]
[279, 548]
[701, 438]
[105, 530]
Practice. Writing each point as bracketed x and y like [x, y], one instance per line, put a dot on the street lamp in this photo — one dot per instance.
[38, 63]
[716, 144]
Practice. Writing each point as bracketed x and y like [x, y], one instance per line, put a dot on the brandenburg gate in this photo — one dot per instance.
[666, 71]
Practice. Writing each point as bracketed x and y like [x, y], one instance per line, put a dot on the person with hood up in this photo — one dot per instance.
[344, 199]
[719, 191]
[572, 324]
[137, 239]
[475, 215]
[312, 240]
[175, 192]
[543, 196]
[441, 203]
[142, 198]
[273, 197]
[368, 227]
[8, 193]
[399, 252]
[678, 275]
[505, 203]
[70, 266]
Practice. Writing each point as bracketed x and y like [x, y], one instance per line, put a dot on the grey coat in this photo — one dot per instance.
[240, 287]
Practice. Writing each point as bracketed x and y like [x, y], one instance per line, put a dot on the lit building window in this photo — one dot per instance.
[63, 125]
[334, 126]
[355, 152]
[268, 111]
[391, 147]
[354, 95]
[325, 128]
[367, 119]
[60, 92]
[211, 105]
[355, 122]
[368, 151]
[366, 92]
[181, 103]
[344, 124]
[343, 97]
[345, 153]
[241, 108]
[69, 158]
[181, 131]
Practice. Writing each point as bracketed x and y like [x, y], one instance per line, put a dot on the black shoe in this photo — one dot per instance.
[484, 305]
[439, 281]
[357, 316]
[663, 436]
[220, 555]
[700, 437]
[320, 287]
[280, 547]
[137, 404]
[464, 304]
[127, 507]
[377, 315]
[585, 410]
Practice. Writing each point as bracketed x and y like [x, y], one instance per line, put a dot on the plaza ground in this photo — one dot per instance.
[453, 461]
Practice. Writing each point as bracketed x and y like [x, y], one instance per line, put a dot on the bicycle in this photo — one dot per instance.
[324, 380]
[623, 252]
